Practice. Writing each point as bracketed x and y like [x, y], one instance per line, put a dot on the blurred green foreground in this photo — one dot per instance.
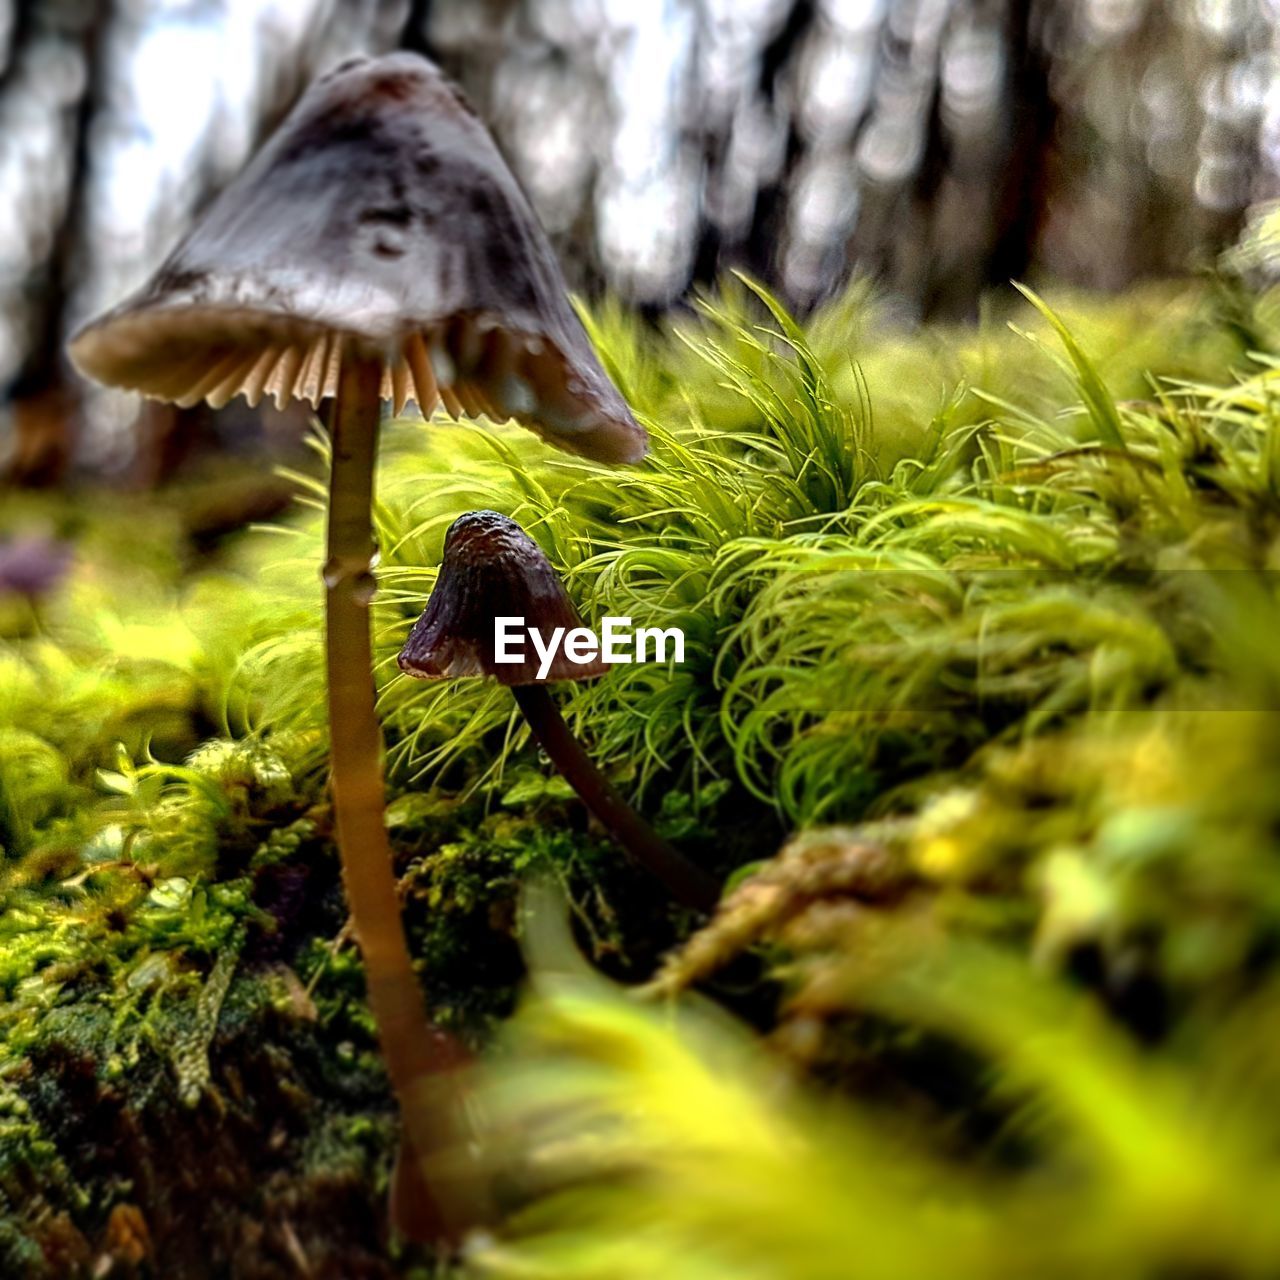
[978, 721]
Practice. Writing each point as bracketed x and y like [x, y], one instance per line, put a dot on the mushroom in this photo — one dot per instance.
[377, 247]
[492, 569]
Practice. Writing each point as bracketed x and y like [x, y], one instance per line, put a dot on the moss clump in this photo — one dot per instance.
[991, 600]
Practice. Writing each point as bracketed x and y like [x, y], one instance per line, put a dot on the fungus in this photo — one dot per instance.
[377, 247]
[492, 569]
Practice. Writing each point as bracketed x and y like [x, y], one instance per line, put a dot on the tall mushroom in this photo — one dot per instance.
[377, 247]
[492, 569]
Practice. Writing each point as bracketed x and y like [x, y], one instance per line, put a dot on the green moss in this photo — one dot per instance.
[1001, 601]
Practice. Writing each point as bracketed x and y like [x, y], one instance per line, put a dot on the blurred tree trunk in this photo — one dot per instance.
[413, 35]
[1019, 206]
[45, 401]
[1003, 199]
[757, 251]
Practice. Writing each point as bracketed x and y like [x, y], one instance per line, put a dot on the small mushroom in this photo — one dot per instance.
[377, 247]
[492, 569]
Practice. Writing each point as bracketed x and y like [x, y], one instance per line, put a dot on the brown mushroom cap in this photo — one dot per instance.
[379, 217]
[491, 568]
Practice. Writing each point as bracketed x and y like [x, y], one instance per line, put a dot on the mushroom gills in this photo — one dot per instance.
[311, 377]
[557, 409]
[228, 367]
[281, 382]
[395, 384]
[234, 382]
[283, 371]
[469, 364]
[256, 381]
[424, 389]
[507, 393]
[177, 380]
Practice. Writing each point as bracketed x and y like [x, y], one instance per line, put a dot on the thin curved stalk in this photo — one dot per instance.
[418, 1058]
[688, 883]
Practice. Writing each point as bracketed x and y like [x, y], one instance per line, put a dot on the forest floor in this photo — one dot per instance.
[976, 725]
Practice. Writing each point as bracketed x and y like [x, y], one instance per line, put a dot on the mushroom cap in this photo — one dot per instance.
[491, 568]
[379, 217]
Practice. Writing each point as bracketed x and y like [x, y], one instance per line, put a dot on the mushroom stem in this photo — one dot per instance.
[687, 883]
[416, 1054]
